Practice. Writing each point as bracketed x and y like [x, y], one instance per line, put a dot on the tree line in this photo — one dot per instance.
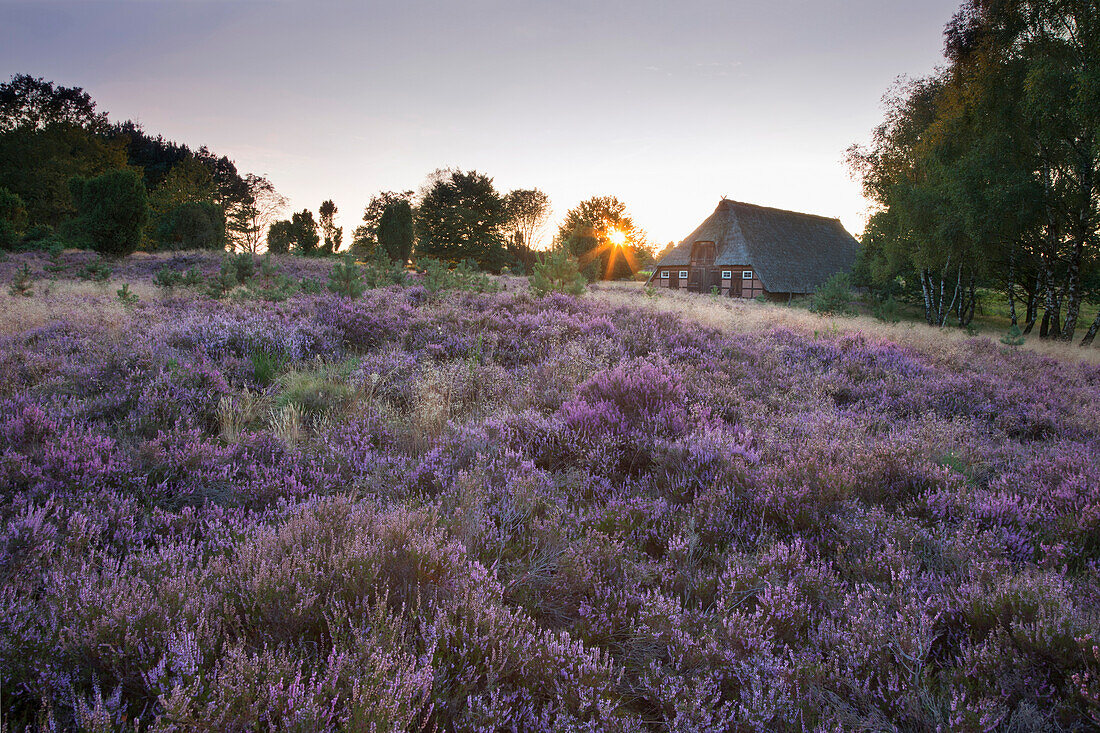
[985, 172]
[69, 177]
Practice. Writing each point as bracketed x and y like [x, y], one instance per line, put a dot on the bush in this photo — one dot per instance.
[888, 310]
[193, 225]
[125, 296]
[310, 286]
[97, 271]
[22, 283]
[834, 297]
[1014, 337]
[13, 219]
[111, 211]
[557, 273]
[379, 271]
[345, 278]
[167, 278]
[439, 277]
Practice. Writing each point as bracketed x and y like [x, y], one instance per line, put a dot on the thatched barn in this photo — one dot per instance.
[745, 250]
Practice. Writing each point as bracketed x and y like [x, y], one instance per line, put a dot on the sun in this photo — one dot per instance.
[617, 237]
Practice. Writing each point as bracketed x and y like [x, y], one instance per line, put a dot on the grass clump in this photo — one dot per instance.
[314, 394]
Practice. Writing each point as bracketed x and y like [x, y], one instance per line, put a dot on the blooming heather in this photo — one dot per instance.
[501, 512]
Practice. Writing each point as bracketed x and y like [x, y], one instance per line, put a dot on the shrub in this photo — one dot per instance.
[192, 225]
[125, 296]
[557, 273]
[464, 276]
[111, 211]
[167, 278]
[1014, 336]
[834, 296]
[96, 271]
[379, 271]
[13, 219]
[310, 286]
[345, 278]
[888, 310]
[22, 283]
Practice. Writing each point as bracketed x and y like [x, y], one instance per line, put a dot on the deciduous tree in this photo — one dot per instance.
[602, 237]
[461, 217]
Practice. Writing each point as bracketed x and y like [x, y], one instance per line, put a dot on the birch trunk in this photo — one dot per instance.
[1091, 334]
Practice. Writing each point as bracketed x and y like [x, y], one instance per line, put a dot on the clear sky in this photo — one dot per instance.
[667, 105]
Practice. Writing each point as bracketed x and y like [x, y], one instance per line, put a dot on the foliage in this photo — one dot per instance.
[834, 296]
[395, 231]
[37, 165]
[379, 271]
[460, 217]
[33, 103]
[587, 234]
[556, 272]
[280, 237]
[111, 211]
[497, 511]
[1013, 337]
[127, 297]
[464, 276]
[192, 225]
[346, 279]
[985, 171]
[13, 219]
[527, 211]
[332, 235]
[887, 310]
[97, 271]
[310, 286]
[365, 238]
[22, 283]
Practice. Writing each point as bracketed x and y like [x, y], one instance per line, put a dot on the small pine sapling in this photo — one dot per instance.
[126, 296]
[22, 283]
[345, 278]
[1014, 336]
[557, 273]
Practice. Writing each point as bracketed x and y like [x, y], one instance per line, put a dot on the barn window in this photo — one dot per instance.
[683, 274]
[746, 274]
[664, 274]
[727, 274]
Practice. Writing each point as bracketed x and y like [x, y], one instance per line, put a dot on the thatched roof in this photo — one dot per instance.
[790, 252]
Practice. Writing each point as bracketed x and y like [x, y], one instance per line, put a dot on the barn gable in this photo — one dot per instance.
[790, 252]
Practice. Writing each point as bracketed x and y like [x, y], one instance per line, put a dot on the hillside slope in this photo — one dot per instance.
[483, 511]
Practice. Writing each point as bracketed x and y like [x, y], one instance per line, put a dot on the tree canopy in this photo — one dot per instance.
[602, 237]
[461, 217]
[985, 174]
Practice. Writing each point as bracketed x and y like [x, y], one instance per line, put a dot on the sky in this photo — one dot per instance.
[667, 105]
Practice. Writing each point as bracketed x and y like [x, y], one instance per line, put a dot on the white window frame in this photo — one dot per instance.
[664, 274]
[683, 274]
[727, 274]
[746, 274]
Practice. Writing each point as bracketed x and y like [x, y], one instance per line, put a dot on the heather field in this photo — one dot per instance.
[463, 511]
